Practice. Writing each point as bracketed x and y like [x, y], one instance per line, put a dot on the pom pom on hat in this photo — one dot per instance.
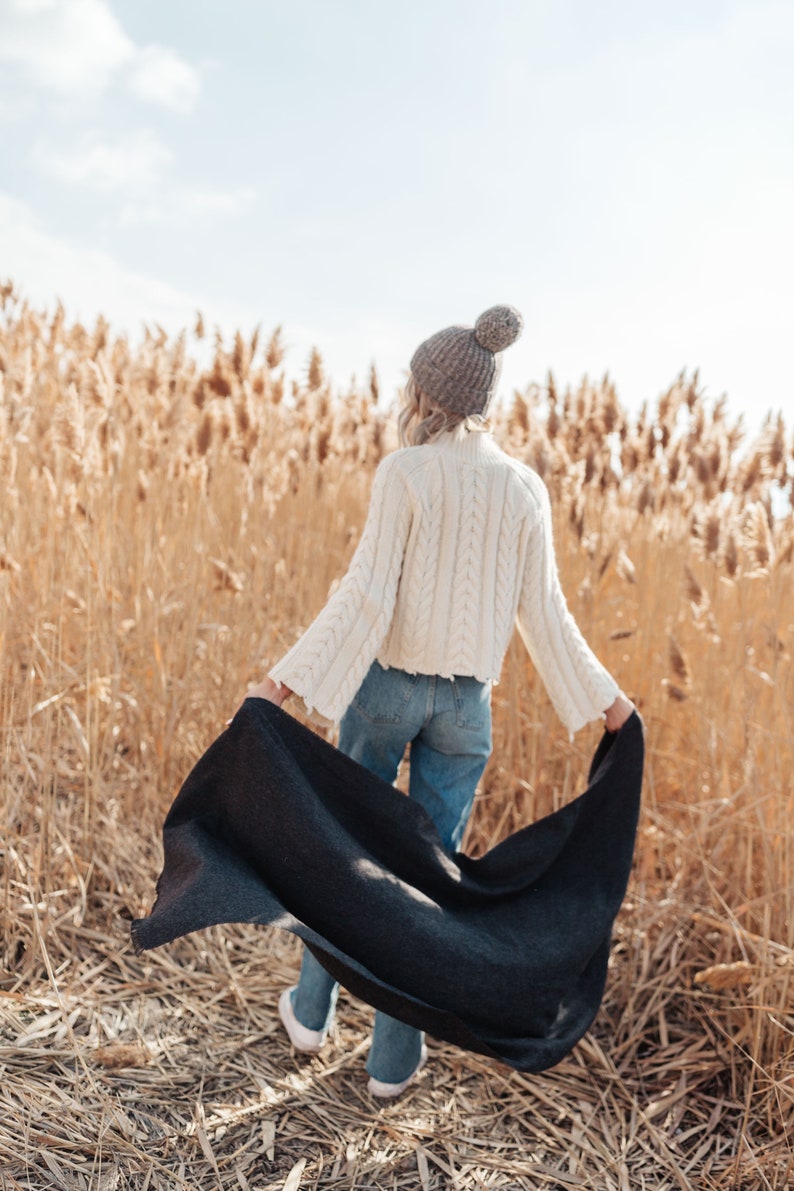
[498, 327]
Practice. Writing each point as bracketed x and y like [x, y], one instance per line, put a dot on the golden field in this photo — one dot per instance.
[166, 530]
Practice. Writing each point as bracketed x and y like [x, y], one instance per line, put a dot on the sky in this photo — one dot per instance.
[365, 173]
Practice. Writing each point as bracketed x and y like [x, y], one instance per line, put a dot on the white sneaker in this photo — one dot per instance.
[308, 1041]
[385, 1091]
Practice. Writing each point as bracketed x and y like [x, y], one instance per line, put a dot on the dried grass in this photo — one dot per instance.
[165, 532]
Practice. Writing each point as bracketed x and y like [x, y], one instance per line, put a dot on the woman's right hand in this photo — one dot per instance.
[618, 712]
[274, 692]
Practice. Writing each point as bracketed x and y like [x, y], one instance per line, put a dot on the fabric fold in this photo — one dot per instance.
[505, 954]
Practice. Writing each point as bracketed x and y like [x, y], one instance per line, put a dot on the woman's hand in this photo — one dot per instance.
[267, 689]
[618, 712]
[270, 690]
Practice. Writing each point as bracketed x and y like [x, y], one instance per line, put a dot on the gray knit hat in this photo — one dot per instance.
[459, 368]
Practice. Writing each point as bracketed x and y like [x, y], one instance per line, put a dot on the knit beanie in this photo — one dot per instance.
[459, 368]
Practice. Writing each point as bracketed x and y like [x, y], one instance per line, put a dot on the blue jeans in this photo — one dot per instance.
[447, 723]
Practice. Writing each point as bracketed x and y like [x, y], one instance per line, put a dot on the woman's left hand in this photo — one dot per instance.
[618, 712]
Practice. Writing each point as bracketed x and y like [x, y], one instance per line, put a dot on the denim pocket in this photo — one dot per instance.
[472, 704]
[384, 695]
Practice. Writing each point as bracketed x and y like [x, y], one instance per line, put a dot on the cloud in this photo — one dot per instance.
[77, 48]
[69, 46]
[134, 162]
[161, 76]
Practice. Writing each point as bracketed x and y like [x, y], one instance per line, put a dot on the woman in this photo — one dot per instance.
[456, 549]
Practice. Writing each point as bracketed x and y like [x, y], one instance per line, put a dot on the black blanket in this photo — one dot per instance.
[505, 954]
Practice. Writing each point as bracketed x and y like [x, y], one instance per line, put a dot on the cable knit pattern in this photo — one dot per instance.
[456, 546]
[467, 591]
[420, 592]
[507, 587]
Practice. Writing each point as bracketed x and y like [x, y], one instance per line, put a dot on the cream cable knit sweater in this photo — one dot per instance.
[457, 545]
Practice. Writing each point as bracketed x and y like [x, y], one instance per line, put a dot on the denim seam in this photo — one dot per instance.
[430, 705]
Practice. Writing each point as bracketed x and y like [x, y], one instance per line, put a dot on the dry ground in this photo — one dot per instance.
[172, 1070]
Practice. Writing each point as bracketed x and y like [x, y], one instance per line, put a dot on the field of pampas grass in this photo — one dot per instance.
[166, 530]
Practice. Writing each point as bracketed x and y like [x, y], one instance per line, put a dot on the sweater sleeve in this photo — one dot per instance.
[327, 664]
[580, 688]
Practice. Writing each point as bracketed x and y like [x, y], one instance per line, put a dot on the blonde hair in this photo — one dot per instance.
[421, 421]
